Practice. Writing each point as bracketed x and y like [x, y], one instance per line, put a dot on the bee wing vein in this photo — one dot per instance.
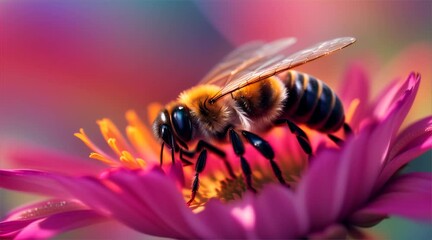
[272, 61]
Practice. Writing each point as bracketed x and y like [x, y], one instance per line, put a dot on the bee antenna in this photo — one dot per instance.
[214, 98]
[205, 103]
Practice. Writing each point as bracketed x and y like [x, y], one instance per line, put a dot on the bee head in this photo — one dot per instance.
[173, 124]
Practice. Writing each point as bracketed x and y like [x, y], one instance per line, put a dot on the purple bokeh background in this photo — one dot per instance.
[65, 64]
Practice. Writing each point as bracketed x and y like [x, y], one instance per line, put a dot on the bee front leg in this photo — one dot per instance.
[199, 167]
[205, 145]
[239, 150]
[185, 161]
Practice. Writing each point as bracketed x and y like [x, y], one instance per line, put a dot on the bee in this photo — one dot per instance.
[249, 92]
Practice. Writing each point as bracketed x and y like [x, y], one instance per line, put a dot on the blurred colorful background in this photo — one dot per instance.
[65, 64]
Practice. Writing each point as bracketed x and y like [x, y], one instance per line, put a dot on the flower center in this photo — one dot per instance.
[139, 150]
[224, 188]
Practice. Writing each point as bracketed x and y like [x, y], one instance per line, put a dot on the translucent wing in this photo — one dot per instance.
[276, 62]
[242, 52]
[243, 58]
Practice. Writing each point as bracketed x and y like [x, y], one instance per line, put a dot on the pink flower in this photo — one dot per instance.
[339, 191]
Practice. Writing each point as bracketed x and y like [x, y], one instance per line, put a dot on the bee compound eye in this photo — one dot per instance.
[181, 120]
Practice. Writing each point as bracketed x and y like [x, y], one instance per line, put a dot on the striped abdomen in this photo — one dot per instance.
[312, 102]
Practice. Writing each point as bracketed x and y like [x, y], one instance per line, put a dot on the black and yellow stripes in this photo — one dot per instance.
[262, 101]
[312, 102]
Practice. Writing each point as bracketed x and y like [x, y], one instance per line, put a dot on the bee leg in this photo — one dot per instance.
[301, 136]
[199, 167]
[267, 151]
[161, 154]
[239, 150]
[335, 139]
[220, 153]
[347, 131]
[185, 161]
[205, 145]
[168, 138]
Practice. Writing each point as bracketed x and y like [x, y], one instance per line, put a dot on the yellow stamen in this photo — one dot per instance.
[127, 163]
[130, 160]
[141, 162]
[149, 143]
[85, 139]
[110, 131]
[352, 109]
[129, 156]
[112, 142]
[103, 159]
[140, 143]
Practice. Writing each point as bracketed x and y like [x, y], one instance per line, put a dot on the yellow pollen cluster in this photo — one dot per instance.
[129, 152]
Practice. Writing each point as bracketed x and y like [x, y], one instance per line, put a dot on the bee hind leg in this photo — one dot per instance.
[301, 136]
[335, 139]
[347, 132]
[267, 151]
[347, 129]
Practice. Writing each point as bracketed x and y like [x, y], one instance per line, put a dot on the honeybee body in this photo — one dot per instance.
[249, 90]
[297, 96]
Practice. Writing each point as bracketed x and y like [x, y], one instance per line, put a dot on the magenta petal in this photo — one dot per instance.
[30, 158]
[385, 132]
[274, 213]
[357, 171]
[44, 209]
[217, 216]
[411, 143]
[9, 229]
[176, 173]
[403, 104]
[385, 98]
[334, 231]
[278, 216]
[355, 86]
[59, 223]
[318, 190]
[161, 201]
[105, 200]
[392, 93]
[408, 196]
[32, 181]
[417, 135]
[146, 201]
[46, 216]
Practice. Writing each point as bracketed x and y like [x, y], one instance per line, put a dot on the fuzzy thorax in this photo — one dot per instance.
[260, 103]
[212, 118]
